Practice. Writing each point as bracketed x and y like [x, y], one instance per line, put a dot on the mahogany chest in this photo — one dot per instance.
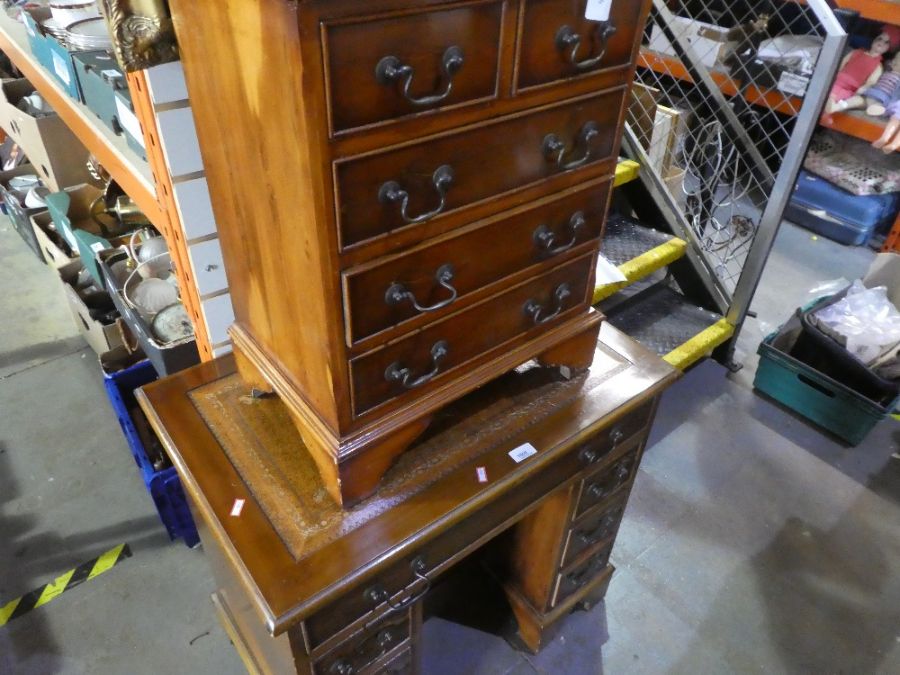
[410, 196]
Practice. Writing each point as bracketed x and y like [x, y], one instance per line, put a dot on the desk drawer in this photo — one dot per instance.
[402, 664]
[558, 43]
[605, 483]
[428, 356]
[433, 279]
[591, 530]
[408, 579]
[446, 56]
[408, 186]
[570, 582]
[366, 647]
[599, 449]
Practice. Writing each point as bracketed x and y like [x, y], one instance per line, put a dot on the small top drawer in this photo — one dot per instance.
[385, 67]
[559, 43]
[367, 646]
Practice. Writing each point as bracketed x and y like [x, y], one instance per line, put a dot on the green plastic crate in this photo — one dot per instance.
[819, 398]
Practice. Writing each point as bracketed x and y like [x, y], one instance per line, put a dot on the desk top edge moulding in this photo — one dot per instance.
[410, 196]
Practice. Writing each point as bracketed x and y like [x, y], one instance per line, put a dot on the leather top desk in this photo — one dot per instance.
[303, 586]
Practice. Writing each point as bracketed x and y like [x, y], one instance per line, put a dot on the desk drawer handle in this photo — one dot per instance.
[539, 315]
[397, 292]
[599, 491]
[602, 530]
[569, 42]
[390, 70]
[392, 193]
[545, 238]
[342, 667]
[397, 373]
[554, 148]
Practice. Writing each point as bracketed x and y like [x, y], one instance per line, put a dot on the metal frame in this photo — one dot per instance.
[731, 275]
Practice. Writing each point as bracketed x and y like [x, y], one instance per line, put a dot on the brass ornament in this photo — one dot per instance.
[142, 32]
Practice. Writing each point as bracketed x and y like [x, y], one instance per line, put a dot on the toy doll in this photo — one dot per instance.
[880, 95]
[861, 69]
[890, 139]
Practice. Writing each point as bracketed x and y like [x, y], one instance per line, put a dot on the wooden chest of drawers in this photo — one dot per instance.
[410, 195]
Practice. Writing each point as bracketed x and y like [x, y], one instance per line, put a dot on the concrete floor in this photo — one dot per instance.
[752, 543]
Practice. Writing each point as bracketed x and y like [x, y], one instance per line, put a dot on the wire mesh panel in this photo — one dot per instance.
[721, 88]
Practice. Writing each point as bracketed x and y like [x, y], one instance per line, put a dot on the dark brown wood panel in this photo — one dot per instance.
[464, 38]
[468, 334]
[595, 528]
[605, 483]
[573, 580]
[543, 60]
[476, 257]
[367, 646]
[486, 161]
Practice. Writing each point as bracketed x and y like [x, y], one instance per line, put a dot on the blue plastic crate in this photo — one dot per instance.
[162, 482]
[172, 505]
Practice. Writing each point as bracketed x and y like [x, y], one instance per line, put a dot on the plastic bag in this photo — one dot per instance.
[866, 319]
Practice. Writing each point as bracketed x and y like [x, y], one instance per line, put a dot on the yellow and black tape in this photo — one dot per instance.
[66, 582]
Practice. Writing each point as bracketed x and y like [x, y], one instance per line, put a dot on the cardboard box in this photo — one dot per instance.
[128, 121]
[36, 38]
[54, 249]
[51, 53]
[18, 214]
[711, 44]
[99, 77]
[50, 145]
[101, 337]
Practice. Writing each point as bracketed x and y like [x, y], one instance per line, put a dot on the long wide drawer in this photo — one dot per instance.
[385, 67]
[428, 356]
[434, 279]
[411, 185]
[559, 43]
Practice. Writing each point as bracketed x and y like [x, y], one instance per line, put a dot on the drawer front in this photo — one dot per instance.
[364, 648]
[387, 67]
[433, 279]
[412, 185]
[559, 43]
[607, 482]
[569, 583]
[407, 580]
[596, 452]
[593, 529]
[402, 664]
[430, 355]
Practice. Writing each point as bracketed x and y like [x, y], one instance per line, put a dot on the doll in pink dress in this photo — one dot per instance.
[860, 70]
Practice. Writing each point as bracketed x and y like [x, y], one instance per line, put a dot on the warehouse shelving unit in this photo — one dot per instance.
[151, 183]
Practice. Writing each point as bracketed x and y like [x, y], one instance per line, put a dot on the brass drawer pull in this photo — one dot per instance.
[569, 42]
[397, 292]
[598, 491]
[545, 238]
[377, 593]
[342, 667]
[554, 147]
[602, 531]
[590, 455]
[537, 312]
[390, 70]
[397, 373]
[391, 193]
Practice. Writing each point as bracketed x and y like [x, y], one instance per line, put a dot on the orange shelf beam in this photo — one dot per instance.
[129, 170]
[852, 123]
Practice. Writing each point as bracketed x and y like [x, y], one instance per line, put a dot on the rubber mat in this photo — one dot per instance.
[637, 251]
[664, 321]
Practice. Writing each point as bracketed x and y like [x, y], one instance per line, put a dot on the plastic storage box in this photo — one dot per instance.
[818, 397]
[159, 477]
[832, 212]
[166, 358]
